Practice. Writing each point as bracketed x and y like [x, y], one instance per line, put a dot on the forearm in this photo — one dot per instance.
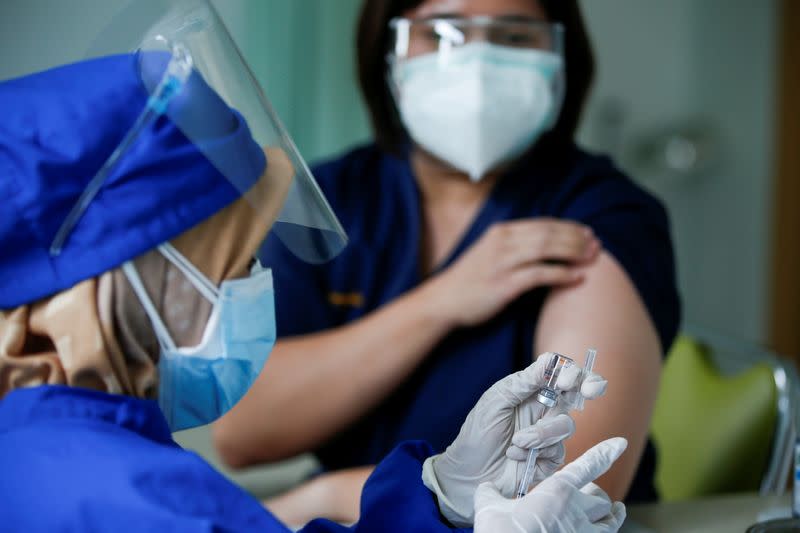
[605, 312]
[335, 496]
[313, 386]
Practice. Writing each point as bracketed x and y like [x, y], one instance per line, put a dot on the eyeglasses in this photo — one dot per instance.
[414, 37]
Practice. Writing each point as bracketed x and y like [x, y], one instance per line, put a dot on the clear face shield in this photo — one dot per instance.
[194, 75]
[476, 91]
[176, 60]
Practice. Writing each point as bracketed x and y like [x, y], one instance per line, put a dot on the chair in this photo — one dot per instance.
[724, 420]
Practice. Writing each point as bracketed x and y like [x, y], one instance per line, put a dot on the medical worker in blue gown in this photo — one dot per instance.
[137, 189]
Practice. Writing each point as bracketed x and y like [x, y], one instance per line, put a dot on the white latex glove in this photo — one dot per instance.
[479, 452]
[566, 502]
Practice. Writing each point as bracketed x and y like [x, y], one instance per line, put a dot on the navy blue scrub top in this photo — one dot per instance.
[79, 460]
[376, 198]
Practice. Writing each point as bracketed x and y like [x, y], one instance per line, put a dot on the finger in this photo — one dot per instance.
[612, 521]
[568, 240]
[595, 507]
[594, 462]
[550, 457]
[575, 251]
[526, 252]
[550, 241]
[523, 228]
[569, 378]
[594, 248]
[593, 386]
[554, 453]
[532, 230]
[620, 512]
[526, 278]
[515, 453]
[567, 401]
[519, 386]
[545, 432]
[594, 489]
[486, 494]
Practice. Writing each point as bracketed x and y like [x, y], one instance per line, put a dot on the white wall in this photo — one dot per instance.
[712, 61]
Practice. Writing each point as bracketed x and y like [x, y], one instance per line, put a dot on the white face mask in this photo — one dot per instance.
[478, 105]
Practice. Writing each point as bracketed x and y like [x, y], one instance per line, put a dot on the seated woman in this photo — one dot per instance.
[480, 236]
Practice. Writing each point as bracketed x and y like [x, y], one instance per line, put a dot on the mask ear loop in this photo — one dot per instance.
[164, 338]
[203, 285]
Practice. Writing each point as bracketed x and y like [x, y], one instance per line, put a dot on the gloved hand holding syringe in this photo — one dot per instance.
[548, 397]
[494, 442]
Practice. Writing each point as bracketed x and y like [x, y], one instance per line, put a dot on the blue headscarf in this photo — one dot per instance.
[58, 128]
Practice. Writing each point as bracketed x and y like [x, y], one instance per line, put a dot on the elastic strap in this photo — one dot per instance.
[155, 320]
[197, 278]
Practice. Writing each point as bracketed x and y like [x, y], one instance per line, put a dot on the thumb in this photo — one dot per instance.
[594, 462]
[486, 494]
[519, 386]
[593, 386]
[612, 522]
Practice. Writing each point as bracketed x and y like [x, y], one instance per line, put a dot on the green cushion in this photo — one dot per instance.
[713, 433]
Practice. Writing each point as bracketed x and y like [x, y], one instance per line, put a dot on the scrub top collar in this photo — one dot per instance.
[514, 183]
[57, 403]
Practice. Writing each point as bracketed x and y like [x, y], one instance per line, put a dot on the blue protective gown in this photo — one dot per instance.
[78, 460]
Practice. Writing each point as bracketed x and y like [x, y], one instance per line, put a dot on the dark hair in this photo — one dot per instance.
[372, 43]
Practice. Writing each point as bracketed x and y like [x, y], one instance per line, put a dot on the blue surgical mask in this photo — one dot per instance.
[201, 383]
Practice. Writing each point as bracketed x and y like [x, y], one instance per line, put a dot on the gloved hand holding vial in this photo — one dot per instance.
[549, 397]
[494, 441]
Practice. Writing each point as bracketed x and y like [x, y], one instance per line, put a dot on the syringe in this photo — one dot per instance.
[547, 398]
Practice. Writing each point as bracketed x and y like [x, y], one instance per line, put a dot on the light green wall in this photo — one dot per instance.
[665, 64]
[302, 53]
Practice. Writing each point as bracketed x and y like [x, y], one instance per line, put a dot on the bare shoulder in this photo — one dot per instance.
[603, 309]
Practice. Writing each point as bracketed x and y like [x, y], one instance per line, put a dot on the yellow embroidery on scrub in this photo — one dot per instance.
[350, 299]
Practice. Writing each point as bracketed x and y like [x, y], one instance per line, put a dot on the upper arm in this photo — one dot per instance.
[606, 312]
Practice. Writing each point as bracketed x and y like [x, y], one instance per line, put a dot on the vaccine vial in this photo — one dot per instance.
[548, 395]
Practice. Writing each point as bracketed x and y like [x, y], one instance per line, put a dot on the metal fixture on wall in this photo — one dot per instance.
[677, 151]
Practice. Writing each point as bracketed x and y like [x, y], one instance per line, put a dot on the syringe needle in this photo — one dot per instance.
[527, 476]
